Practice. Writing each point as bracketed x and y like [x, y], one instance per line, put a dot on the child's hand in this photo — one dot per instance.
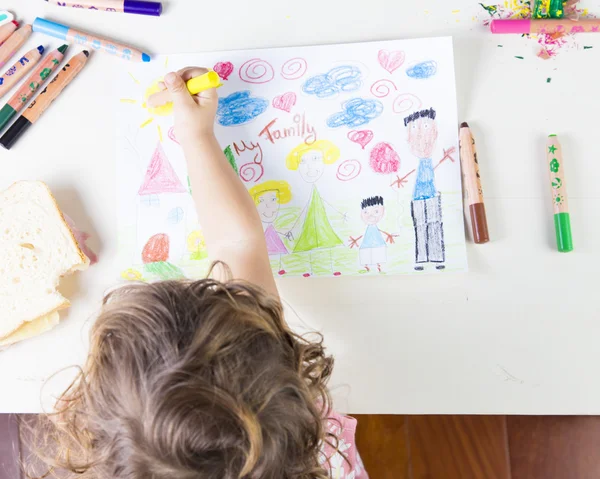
[194, 115]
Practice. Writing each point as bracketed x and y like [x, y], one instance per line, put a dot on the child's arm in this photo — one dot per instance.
[229, 219]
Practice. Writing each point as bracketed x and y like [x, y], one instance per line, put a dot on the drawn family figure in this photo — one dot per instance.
[426, 205]
[268, 197]
[373, 249]
[317, 233]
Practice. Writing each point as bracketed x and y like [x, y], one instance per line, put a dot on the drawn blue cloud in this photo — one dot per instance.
[423, 70]
[355, 112]
[343, 78]
[239, 108]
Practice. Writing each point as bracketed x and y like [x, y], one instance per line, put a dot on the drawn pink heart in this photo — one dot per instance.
[224, 69]
[285, 102]
[362, 137]
[172, 134]
[391, 61]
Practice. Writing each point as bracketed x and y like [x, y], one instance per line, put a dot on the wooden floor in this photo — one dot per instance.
[480, 447]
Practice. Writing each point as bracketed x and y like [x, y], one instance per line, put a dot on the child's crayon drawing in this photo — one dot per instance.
[348, 151]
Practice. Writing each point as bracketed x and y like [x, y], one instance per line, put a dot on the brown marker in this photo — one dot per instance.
[472, 185]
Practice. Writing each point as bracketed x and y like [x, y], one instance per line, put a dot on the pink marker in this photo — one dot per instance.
[86, 40]
[546, 26]
[138, 7]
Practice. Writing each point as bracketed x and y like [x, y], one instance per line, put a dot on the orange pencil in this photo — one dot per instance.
[23, 66]
[7, 30]
[11, 46]
[44, 100]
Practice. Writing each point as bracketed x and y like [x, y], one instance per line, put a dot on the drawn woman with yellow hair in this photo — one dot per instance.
[310, 161]
[268, 197]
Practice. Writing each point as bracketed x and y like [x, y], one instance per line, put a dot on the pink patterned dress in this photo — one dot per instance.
[274, 243]
[345, 462]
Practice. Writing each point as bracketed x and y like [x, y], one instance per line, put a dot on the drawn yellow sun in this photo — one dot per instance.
[165, 110]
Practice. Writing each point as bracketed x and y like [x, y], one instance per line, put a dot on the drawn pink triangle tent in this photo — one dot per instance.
[160, 176]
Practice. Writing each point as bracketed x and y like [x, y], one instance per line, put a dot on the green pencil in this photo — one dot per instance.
[548, 9]
[560, 202]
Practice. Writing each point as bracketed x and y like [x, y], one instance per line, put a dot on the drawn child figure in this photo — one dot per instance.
[373, 249]
[317, 232]
[426, 206]
[268, 197]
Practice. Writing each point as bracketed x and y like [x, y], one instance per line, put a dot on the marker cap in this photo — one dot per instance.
[140, 7]
[202, 83]
[52, 29]
[511, 26]
[564, 239]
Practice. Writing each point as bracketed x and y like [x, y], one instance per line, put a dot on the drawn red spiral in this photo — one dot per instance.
[251, 172]
[382, 88]
[406, 102]
[256, 70]
[294, 68]
[348, 170]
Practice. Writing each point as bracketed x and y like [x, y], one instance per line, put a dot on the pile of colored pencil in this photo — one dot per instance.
[12, 38]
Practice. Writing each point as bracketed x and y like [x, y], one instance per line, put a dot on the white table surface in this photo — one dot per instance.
[518, 334]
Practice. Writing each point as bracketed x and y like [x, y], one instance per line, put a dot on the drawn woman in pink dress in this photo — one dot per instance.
[269, 196]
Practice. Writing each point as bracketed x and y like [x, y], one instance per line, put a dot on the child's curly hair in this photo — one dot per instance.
[198, 380]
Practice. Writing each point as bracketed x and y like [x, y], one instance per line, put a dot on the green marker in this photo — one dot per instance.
[31, 85]
[560, 202]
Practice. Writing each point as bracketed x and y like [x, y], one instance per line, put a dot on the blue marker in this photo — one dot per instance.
[88, 41]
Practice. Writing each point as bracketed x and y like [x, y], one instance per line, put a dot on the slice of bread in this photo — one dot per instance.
[36, 249]
[31, 329]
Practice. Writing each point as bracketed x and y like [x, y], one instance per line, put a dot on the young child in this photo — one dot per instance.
[201, 379]
[373, 249]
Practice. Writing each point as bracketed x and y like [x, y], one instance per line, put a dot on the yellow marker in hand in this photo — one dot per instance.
[204, 82]
[158, 101]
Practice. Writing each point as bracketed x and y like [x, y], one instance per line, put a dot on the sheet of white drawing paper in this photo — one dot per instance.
[349, 151]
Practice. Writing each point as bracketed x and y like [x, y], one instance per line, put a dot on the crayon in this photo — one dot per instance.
[137, 7]
[31, 85]
[11, 46]
[196, 85]
[44, 100]
[204, 82]
[560, 202]
[549, 26]
[23, 66]
[472, 185]
[7, 30]
[89, 41]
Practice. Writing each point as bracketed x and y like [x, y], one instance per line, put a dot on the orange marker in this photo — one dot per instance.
[44, 100]
[11, 46]
[7, 30]
[23, 66]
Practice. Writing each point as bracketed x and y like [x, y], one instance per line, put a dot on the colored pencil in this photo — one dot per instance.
[7, 30]
[550, 26]
[23, 66]
[86, 40]
[560, 202]
[6, 17]
[472, 185]
[11, 46]
[44, 100]
[31, 85]
[138, 7]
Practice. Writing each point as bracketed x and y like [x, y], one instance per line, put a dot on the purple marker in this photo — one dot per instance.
[137, 7]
